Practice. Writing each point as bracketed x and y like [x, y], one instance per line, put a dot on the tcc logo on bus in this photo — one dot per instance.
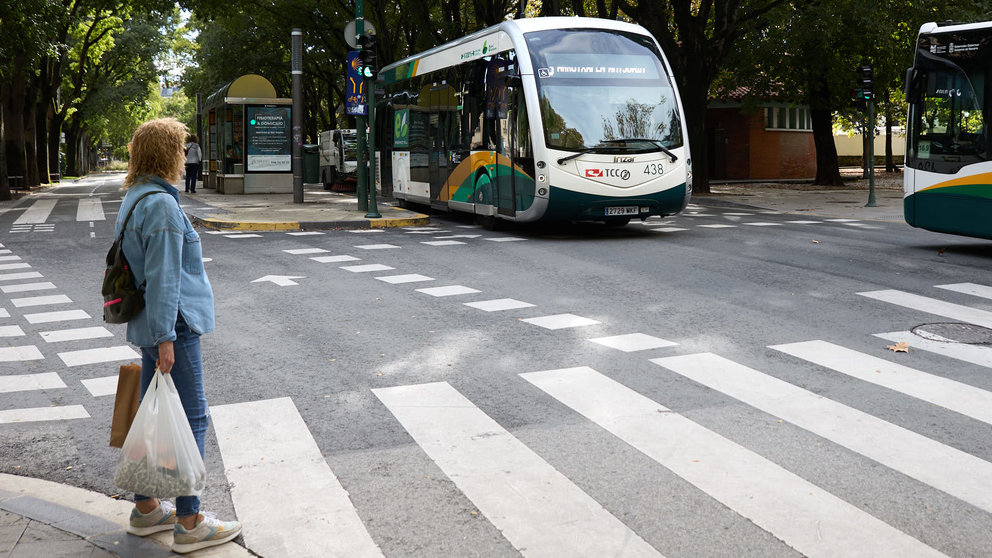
[622, 174]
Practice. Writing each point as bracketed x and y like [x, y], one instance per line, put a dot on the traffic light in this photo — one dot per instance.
[367, 55]
[866, 75]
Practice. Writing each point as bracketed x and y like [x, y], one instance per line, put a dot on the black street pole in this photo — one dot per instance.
[297, 115]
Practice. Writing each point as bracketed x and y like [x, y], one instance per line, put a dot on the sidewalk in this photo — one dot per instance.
[43, 518]
[277, 212]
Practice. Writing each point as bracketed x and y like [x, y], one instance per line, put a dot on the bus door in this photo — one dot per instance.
[502, 70]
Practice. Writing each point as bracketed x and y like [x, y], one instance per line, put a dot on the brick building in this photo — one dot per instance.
[773, 142]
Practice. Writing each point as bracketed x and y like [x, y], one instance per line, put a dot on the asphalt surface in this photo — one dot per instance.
[713, 285]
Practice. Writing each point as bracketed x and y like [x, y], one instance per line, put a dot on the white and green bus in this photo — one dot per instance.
[948, 174]
[537, 119]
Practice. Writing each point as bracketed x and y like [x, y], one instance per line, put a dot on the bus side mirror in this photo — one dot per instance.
[910, 75]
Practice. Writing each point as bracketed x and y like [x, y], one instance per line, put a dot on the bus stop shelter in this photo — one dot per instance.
[248, 147]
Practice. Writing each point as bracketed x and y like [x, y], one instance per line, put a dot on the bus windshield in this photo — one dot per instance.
[947, 115]
[597, 87]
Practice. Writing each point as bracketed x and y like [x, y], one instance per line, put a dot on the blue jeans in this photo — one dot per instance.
[187, 374]
[192, 173]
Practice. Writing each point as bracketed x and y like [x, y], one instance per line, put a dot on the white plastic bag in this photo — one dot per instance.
[160, 458]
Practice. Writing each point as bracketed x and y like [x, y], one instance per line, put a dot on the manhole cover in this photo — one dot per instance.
[955, 333]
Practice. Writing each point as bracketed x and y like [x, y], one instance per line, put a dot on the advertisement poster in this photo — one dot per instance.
[356, 102]
[268, 138]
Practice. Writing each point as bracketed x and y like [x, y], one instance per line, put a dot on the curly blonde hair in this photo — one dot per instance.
[157, 149]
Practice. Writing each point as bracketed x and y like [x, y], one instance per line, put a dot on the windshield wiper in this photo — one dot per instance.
[656, 143]
[659, 145]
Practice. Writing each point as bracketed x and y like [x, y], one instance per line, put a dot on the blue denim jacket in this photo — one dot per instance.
[165, 255]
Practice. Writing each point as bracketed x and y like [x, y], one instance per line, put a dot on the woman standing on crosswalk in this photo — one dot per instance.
[165, 256]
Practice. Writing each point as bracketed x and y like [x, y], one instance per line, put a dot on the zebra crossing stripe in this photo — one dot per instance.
[30, 382]
[970, 289]
[266, 446]
[37, 213]
[804, 516]
[538, 510]
[94, 356]
[90, 209]
[38, 414]
[25, 287]
[956, 396]
[17, 354]
[48, 317]
[955, 472]
[933, 306]
[40, 301]
[975, 354]
[17, 276]
[75, 334]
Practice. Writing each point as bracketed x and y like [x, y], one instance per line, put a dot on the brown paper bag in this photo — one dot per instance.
[125, 403]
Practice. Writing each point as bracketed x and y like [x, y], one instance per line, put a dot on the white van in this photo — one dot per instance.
[338, 152]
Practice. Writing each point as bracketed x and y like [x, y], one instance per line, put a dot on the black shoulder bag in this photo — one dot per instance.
[122, 299]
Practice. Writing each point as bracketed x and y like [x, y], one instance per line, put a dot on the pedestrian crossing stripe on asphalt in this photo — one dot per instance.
[537, 509]
[37, 213]
[969, 288]
[65, 315]
[268, 450]
[956, 396]
[953, 471]
[633, 342]
[38, 414]
[10, 258]
[975, 354]
[933, 306]
[18, 276]
[90, 209]
[40, 301]
[76, 334]
[804, 516]
[95, 356]
[11, 331]
[560, 321]
[30, 382]
[17, 354]
[25, 287]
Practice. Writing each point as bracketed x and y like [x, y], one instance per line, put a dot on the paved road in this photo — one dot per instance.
[712, 384]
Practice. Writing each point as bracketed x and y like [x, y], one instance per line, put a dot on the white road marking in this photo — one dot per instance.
[634, 342]
[9, 258]
[30, 382]
[499, 304]
[505, 239]
[451, 290]
[25, 287]
[5, 267]
[762, 224]
[75, 334]
[956, 396]
[40, 301]
[17, 354]
[802, 222]
[103, 354]
[243, 235]
[265, 445]
[537, 509]
[301, 251]
[99, 387]
[376, 246]
[457, 236]
[37, 213]
[970, 289]
[305, 233]
[11, 331]
[443, 242]
[366, 268]
[18, 276]
[281, 280]
[335, 259]
[804, 516]
[90, 209]
[366, 231]
[43, 413]
[668, 229]
[933, 306]
[65, 315]
[955, 472]
[975, 354]
[718, 226]
[561, 321]
[398, 279]
[4, 313]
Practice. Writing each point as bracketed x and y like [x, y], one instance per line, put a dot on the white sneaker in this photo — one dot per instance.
[162, 518]
[209, 532]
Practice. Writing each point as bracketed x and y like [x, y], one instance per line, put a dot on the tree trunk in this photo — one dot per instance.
[14, 133]
[827, 169]
[31, 177]
[694, 88]
[4, 183]
[890, 164]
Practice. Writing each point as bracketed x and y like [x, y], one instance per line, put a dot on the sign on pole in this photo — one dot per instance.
[356, 101]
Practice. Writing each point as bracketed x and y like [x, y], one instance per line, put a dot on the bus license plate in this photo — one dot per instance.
[624, 210]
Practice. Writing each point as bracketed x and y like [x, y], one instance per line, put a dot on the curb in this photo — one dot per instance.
[92, 516]
[220, 224]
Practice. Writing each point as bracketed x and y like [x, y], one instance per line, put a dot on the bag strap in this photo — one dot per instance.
[120, 238]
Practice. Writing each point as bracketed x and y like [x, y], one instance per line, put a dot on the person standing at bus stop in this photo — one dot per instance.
[193, 158]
